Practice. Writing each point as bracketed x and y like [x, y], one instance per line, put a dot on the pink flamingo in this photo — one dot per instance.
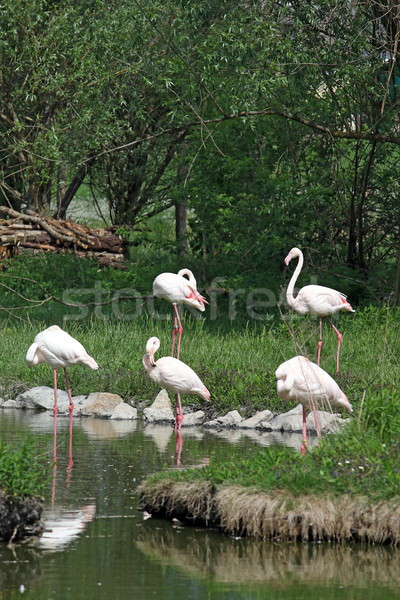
[174, 375]
[59, 350]
[315, 300]
[301, 380]
[179, 290]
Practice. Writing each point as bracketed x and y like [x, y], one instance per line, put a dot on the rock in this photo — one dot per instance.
[291, 421]
[1, 401]
[161, 410]
[193, 419]
[124, 411]
[328, 422]
[78, 401]
[42, 397]
[10, 404]
[231, 419]
[99, 404]
[260, 420]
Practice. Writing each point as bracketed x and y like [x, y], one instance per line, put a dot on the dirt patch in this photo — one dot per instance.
[235, 510]
[20, 518]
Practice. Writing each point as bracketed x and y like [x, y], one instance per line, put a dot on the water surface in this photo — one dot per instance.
[97, 545]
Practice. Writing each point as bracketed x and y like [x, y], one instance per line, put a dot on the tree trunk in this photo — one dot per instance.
[72, 189]
[360, 210]
[180, 205]
[61, 184]
[352, 243]
[181, 228]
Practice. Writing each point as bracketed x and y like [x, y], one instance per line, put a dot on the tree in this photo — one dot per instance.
[287, 112]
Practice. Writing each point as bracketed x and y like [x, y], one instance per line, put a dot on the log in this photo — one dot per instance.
[33, 232]
[37, 246]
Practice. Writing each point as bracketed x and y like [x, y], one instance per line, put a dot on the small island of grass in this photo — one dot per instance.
[348, 489]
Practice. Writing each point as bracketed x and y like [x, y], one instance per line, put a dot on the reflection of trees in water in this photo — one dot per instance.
[18, 565]
[207, 554]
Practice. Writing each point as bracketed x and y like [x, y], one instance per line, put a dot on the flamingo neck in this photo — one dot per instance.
[190, 276]
[291, 300]
[148, 362]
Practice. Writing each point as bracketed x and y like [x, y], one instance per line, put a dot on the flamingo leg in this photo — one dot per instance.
[175, 330]
[178, 448]
[339, 337]
[71, 408]
[71, 404]
[179, 413]
[177, 327]
[53, 484]
[304, 443]
[55, 409]
[320, 340]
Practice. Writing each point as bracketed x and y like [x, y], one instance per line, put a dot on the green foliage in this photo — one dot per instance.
[23, 471]
[380, 413]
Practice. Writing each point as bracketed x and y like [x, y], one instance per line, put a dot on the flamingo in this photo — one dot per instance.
[178, 289]
[173, 374]
[302, 380]
[59, 350]
[315, 300]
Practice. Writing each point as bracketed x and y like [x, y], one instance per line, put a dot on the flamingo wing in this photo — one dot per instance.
[319, 300]
[302, 380]
[178, 377]
[178, 290]
[59, 349]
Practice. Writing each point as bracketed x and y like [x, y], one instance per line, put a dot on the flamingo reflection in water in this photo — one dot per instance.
[63, 526]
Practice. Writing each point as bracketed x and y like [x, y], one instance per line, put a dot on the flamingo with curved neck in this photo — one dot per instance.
[315, 300]
[178, 289]
[173, 374]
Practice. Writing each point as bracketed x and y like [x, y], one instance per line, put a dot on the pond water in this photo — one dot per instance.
[97, 545]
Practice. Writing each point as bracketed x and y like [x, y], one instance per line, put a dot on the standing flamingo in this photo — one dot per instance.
[302, 380]
[58, 349]
[315, 300]
[174, 375]
[179, 290]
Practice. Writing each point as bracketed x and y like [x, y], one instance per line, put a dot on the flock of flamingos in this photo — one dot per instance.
[298, 379]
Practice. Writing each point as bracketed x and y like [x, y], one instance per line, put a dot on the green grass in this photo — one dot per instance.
[23, 472]
[360, 460]
[237, 365]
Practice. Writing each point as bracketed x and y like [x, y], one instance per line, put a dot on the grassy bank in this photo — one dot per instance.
[348, 489]
[23, 471]
[236, 363]
[23, 475]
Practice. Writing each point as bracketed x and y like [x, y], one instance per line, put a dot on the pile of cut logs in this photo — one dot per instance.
[33, 233]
